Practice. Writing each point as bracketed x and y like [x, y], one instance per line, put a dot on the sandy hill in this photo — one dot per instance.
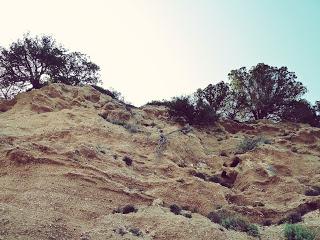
[77, 164]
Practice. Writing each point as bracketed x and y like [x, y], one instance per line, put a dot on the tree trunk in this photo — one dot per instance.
[36, 83]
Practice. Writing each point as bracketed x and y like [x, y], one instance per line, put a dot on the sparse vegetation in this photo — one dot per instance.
[253, 230]
[129, 127]
[175, 209]
[313, 191]
[227, 220]
[214, 179]
[223, 153]
[125, 230]
[126, 209]
[294, 218]
[267, 222]
[223, 179]
[200, 175]
[112, 93]
[298, 232]
[249, 144]
[136, 232]
[291, 218]
[215, 217]
[158, 103]
[127, 160]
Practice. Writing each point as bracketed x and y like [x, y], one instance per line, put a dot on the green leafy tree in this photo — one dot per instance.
[317, 107]
[302, 112]
[31, 61]
[76, 69]
[263, 91]
[191, 110]
[182, 108]
[214, 95]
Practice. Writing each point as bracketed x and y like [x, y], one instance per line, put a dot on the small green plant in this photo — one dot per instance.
[249, 144]
[239, 224]
[253, 230]
[298, 232]
[236, 223]
[136, 232]
[129, 127]
[292, 218]
[233, 223]
[126, 209]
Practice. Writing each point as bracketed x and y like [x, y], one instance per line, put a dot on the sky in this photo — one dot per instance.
[157, 49]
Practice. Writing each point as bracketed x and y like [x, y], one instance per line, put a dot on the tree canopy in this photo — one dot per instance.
[32, 61]
[263, 91]
[301, 112]
[214, 95]
[317, 107]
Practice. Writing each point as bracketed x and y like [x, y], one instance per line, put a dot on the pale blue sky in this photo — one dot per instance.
[154, 49]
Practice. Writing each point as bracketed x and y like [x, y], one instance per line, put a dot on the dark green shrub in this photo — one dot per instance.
[298, 232]
[129, 127]
[175, 209]
[136, 232]
[129, 209]
[182, 108]
[192, 111]
[214, 179]
[159, 103]
[313, 191]
[215, 217]
[294, 218]
[248, 144]
[127, 160]
[227, 220]
[204, 114]
[267, 222]
[187, 215]
[126, 209]
[241, 225]
[200, 175]
[102, 90]
[253, 230]
[236, 224]
[301, 112]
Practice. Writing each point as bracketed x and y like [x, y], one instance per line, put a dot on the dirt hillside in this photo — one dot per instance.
[77, 164]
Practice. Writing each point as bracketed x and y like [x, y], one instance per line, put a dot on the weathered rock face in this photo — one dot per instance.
[70, 156]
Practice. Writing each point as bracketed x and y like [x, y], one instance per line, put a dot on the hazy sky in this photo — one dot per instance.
[155, 49]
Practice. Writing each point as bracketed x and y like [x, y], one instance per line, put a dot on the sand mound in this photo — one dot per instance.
[70, 156]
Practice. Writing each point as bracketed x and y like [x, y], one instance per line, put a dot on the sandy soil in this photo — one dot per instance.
[65, 167]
